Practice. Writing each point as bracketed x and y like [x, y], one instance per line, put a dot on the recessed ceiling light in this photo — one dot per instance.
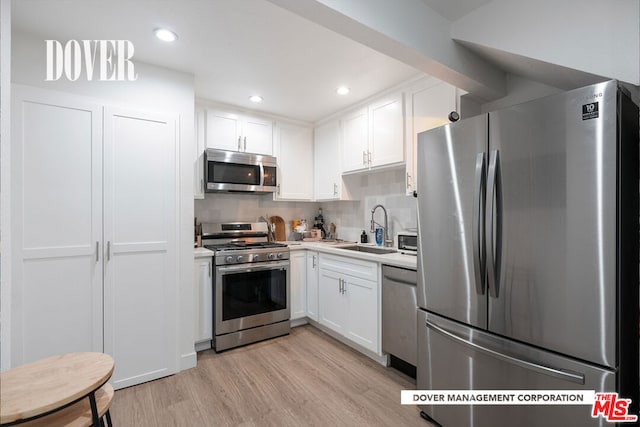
[343, 90]
[165, 35]
[255, 98]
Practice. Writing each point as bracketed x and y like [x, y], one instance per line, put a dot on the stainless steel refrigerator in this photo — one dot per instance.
[528, 256]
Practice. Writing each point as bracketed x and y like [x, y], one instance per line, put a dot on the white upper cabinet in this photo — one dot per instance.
[428, 105]
[326, 149]
[386, 134]
[374, 136]
[295, 162]
[355, 141]
[237, 132]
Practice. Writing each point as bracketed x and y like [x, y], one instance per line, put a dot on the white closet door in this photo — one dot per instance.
[140, 245]
[57, 224]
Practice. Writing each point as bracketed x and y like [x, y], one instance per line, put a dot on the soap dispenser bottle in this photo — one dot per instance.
[363, 237]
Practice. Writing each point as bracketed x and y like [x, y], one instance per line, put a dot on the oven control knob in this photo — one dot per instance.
[280, 255]
[240, 258]
[255, 257]
[229, 259]
[272, 256]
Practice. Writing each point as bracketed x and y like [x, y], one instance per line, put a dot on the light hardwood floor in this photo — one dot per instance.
[304, 379]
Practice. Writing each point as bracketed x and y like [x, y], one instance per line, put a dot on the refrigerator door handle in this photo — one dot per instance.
[546, 370]
[493, 238]
[479, 263]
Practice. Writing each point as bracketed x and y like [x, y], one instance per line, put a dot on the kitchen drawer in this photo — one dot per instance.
[354, 267]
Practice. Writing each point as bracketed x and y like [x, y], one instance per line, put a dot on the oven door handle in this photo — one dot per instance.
[258, 267]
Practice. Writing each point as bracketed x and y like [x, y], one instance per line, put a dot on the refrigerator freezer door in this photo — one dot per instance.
[557, 170]
[451, 175]
[454, 357]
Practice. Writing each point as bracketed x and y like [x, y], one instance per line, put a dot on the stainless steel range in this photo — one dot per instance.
[250, 284]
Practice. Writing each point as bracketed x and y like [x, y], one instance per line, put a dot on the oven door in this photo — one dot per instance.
[250, 295]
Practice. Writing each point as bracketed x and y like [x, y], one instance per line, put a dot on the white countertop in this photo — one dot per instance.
[396, 259]
[202, 253]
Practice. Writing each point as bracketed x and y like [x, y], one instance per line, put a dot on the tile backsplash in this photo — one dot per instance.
[350, 217]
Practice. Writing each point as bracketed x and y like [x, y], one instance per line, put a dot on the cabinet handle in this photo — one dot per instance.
[364, 158]
[245, 143]
[278, 189]
[408, 181]
[97, 251]
[314, 262]
[340, 285]
[369, 157]
[239, 146]
[202, 185]
[335, 189]
[108, 251]
[209, 269]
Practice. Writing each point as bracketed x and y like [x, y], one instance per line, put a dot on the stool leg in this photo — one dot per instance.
[94, 409]
[109, 423]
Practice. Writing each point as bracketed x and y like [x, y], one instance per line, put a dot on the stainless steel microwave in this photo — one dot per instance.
[232, 171]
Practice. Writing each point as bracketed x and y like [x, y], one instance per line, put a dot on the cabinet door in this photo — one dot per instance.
[298, 278]
[257, 136]
[295, 163]
[355, 141]
[332, 302]
[198, 162]
[429, 107]
[56, 193]
[223, 130]
[140, 281]
[204, 299]
[326, 156]
[363, 320]
[386, 124]
[312, 285]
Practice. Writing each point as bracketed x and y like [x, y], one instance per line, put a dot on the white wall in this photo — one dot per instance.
[383, 187]
[156, 89]
[228, 207]
[594, 36]
[519, 90]
[5, 184]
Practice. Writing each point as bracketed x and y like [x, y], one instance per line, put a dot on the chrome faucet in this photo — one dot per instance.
[387, 242]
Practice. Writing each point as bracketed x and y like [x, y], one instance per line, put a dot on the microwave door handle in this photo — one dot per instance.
[261, 174]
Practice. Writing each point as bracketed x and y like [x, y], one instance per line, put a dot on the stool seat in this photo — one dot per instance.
[78, 414]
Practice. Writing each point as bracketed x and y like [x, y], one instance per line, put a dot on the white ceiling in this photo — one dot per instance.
[455, 9]
[234, 48]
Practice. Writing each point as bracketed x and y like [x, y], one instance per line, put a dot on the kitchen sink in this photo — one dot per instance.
[370, 249]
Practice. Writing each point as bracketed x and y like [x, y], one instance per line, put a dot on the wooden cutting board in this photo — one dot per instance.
[280, 230]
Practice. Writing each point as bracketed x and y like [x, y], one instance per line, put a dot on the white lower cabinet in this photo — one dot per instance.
[312, 284]
[348, 299]
[297, 279]
[94, 250]
[203, 271]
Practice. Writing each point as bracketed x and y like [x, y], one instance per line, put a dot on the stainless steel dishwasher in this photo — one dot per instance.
[399, 316]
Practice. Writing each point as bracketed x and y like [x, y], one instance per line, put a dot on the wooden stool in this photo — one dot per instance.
[78, 414]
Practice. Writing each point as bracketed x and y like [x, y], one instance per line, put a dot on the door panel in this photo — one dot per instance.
[57, 205]
[140, 238]
[558, 278]
[450, 363]
[447, 282]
